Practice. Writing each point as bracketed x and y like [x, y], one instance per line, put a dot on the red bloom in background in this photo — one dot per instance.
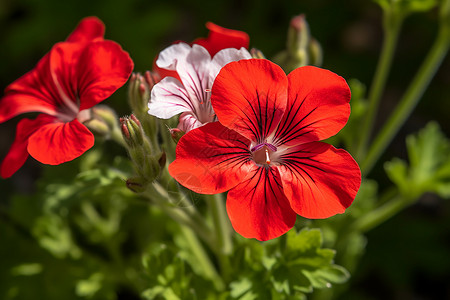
[218, 38]
[221, 38]
[74, 76]
[265, 147]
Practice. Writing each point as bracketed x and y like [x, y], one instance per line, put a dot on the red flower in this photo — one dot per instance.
[221, 38]
[265, 147]
[74, 76]
[218, 38]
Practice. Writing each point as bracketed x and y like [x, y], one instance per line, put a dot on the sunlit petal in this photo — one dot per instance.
[319, 180]
[258, 208]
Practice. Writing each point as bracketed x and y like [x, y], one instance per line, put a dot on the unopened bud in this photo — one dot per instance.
[301, 48]
[298, 36]
[132, 131]
[256, 53]
[176, 134]
[162, 157]
[146, 164]
[139, 90]
[136, 184]
[100, 119]
[315, 53]
[106, 114]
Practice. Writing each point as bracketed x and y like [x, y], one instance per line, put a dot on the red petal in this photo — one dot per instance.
[318, 104]
[18, 153]
[88, 29]
[221, 38]
[64, 61]
[258, 207]
[56, 143]
[103, 68]
[34, 91]
[319, 180]
[211, 159]
[250, 96]
[164, 72]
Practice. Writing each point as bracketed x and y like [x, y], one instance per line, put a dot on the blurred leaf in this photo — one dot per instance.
[407, 6]
[429, 164]
[290, 270]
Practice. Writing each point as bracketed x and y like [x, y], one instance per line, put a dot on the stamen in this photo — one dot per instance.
[267, 157]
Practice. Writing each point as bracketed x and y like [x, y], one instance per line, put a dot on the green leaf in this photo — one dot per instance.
[429, 164]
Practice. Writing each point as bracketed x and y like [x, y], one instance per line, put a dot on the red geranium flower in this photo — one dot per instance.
[265, 147]
[74, 76]
[218, 38]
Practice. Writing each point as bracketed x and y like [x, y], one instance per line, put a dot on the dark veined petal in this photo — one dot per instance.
[57, 142]
[211, 159]
[103, 67]
[319, 180]
[258, 208]
[221, 38]
[18, 153]
[250, 96]
[87, 30]
[318, 104]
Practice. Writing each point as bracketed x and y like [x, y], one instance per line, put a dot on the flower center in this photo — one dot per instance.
[262, 153]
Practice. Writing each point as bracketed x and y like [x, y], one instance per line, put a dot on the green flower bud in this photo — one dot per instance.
[301, 48]
[101, 120]
[139, 90]
[315, 53]
[136, 184]
[132, 131]
[147, 165]
[256, 53]
[176, 134]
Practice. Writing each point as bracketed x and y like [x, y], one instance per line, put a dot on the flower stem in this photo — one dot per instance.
[392, 31]
[410, 99]
[381, 214]
[222, 228]
[188, 216]
[202, 257]
[221, 223]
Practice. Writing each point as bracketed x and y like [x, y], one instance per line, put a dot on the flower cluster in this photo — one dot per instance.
[250, 129]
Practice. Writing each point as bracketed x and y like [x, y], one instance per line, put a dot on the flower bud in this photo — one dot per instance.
[136, 184]
[315, 53]
[132, 131]
[256, 53]
[139, 90]
[146, 164]
[176, 134]
[100, 119]
[301, 48]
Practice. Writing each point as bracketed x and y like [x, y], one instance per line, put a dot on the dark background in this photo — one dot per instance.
[409, 256]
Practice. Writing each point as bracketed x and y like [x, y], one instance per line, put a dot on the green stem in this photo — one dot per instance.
[409, 100]
[221, 223]
[222, 228]
[202, 258]
[392, 31]
[381, 214]
[187, 216]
